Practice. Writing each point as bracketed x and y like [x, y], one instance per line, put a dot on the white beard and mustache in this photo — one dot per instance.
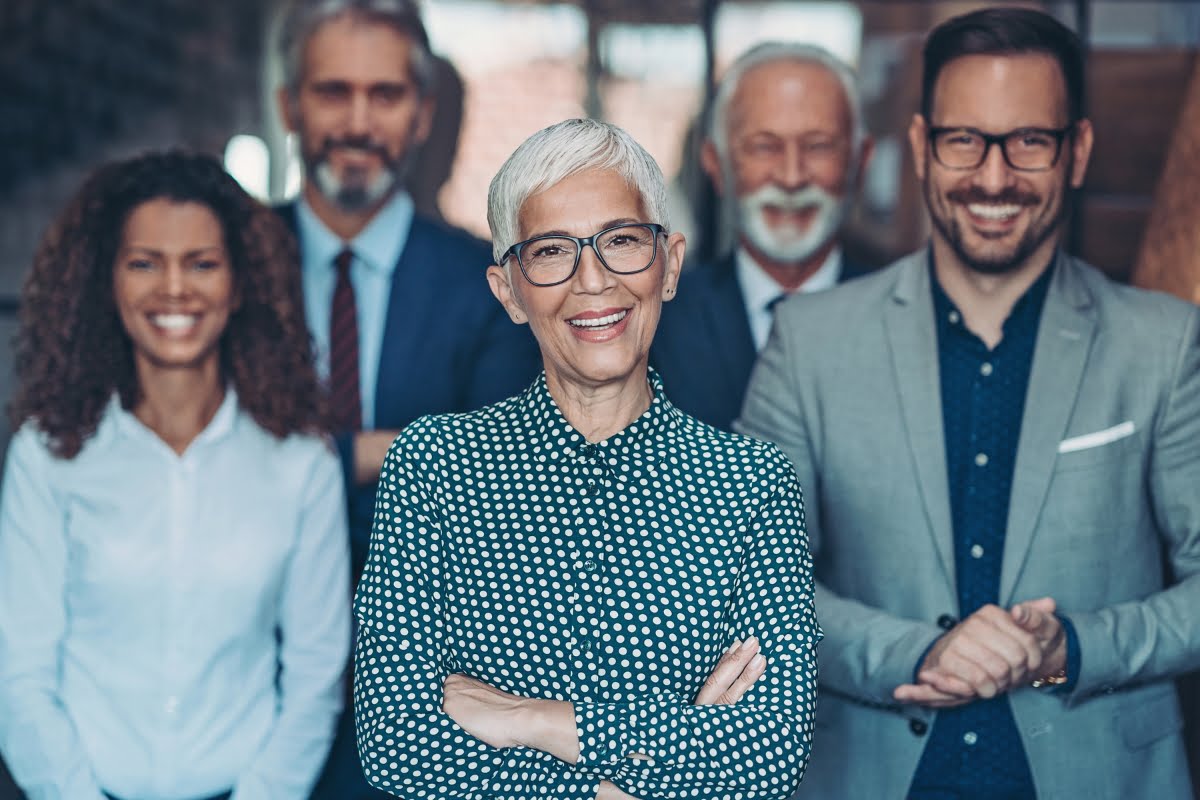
[789, 243]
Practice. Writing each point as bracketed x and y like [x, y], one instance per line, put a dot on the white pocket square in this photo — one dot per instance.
[1106, 436]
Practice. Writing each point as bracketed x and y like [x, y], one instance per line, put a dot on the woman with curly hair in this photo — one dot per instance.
[174, 580]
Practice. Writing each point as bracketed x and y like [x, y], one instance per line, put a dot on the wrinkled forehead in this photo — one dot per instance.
[783, 92]
[580, 204]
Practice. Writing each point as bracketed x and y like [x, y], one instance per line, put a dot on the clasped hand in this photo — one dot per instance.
[989, 653]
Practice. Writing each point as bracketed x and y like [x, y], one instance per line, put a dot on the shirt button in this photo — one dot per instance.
[946, 622]
[981, 459]
[918, 727]
[586, 645]
[970, 738]
[985, 369]
[954, 317]
[590, 565]
[976, 551]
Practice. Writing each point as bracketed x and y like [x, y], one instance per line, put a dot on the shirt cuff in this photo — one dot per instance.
[611, 732]
[921, 661]
[1074, 658]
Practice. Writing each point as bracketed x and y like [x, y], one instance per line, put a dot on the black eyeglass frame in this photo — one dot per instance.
[1001, 139]
[580, 244]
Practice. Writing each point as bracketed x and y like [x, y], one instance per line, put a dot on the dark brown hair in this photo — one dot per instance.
[1005, 31]
[72, 350]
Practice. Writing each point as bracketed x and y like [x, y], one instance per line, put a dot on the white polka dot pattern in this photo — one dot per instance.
[611, 575]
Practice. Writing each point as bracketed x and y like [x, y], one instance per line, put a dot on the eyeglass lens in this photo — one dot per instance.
[548, 260]
[1025, 149]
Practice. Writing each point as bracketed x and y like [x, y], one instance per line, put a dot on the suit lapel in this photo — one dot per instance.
[1064, 339]
[912, 337]
[726, 312]
[411, 301]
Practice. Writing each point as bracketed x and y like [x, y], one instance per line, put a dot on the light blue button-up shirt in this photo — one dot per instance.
[377, 250]
[171, 625]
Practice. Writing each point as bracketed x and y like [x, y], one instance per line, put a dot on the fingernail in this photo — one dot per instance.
[758, 661]
[753, 642]
[733, 648]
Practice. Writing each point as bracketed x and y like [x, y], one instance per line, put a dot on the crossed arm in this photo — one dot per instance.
[449, 735]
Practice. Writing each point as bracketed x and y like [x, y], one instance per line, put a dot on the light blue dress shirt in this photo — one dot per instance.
[171, 625]
[377, 250]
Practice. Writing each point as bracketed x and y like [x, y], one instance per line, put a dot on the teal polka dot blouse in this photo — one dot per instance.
[612, 575]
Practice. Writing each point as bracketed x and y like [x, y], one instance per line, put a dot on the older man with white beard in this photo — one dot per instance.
[786, 147]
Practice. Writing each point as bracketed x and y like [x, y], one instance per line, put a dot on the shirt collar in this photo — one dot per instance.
[222, 424]
[1025, 314]
[759, 288]
[642, 439]
[378, 245]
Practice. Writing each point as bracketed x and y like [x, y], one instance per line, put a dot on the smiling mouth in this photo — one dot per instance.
[599, 323]
[174, 322]
[994, 211]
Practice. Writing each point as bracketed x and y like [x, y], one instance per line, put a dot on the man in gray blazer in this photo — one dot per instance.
[1000, 451]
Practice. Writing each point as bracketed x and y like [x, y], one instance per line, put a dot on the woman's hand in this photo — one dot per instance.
[500, 719]
[733, 675]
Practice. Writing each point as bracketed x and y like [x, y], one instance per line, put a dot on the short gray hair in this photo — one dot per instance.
[556, 153]
[303, 18]
[768, 53]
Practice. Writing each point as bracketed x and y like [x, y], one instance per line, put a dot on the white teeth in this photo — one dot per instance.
[993, 211]
[174, 322]
[599, 322]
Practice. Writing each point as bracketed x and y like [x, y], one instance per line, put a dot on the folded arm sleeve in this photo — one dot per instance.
[38, 740]
[314, 634]
[1157, 637]
[407, 744]
[866, 652]
[759, 746]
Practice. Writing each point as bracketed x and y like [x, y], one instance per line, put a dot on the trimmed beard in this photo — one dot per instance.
[787, 243]
[951, 230]
[356, 193]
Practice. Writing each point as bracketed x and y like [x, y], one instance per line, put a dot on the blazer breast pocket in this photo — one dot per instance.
[1101, 446]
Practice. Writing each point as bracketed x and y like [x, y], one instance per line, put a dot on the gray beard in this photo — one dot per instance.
[353, 196]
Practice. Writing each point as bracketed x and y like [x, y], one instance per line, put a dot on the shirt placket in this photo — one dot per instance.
[180, 510]
[592, 480]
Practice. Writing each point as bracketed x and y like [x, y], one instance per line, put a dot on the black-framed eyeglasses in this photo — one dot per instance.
[1025, 149]
[623, 249]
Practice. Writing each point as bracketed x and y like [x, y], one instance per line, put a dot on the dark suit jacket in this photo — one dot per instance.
[703, 348]
[448, 346]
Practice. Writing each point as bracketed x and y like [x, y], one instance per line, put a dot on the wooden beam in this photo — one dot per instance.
[1169, 258]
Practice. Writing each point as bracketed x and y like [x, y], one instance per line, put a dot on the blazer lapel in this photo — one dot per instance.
[912, 337]
[727, 316]
[1063, 343]
[411, 303]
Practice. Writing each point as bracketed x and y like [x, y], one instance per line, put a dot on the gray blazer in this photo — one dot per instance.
[1106, 490]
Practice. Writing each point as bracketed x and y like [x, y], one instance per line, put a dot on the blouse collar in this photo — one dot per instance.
[555, 437]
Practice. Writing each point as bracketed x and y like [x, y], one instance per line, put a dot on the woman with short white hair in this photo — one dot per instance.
[581, 592]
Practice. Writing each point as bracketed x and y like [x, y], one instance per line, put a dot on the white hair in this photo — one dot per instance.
[771, 52]
[556, 153]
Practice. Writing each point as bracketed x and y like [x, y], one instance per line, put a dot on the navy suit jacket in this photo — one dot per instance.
[703, 348]
[448, 346]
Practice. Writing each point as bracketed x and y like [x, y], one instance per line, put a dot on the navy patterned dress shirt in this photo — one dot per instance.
[975, 751]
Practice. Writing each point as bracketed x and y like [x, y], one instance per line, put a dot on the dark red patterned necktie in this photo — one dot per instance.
[344, 393]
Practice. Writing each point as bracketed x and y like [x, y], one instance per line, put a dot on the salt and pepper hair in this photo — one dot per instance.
[769, 53]
[568, 148]
[303, 18]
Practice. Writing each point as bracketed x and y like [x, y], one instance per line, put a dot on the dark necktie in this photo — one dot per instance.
[344, 393]
[775, 301]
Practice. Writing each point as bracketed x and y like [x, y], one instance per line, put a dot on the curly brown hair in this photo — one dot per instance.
[73, 351]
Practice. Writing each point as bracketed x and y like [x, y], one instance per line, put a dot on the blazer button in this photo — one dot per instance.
[946, 622]
[918, 727]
